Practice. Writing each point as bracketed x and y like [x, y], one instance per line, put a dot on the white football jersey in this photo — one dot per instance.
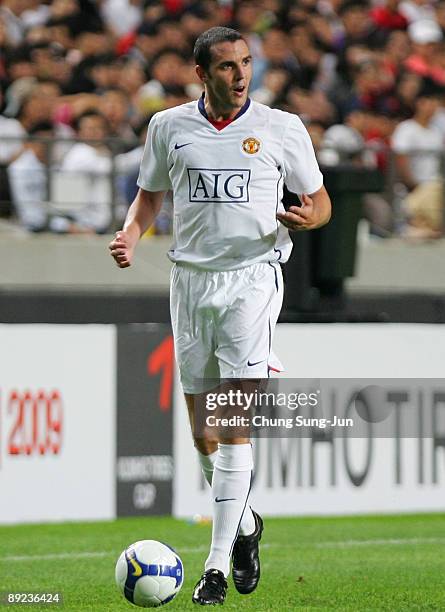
[228, 184]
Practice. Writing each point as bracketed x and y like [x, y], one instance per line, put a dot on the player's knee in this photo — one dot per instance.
[206, 446]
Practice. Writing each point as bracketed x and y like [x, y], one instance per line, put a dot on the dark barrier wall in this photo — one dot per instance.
[145, 370]
[114, 307]
[322, 259]
[86, 306]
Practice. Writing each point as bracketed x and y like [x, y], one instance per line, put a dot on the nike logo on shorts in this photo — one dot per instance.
[255, 362]
[220, 499]
[182, 145]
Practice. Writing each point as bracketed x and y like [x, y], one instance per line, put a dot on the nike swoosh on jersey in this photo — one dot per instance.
[182, 145]
[255, 362]
[224, 499]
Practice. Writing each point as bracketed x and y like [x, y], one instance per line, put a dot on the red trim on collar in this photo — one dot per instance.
[219, 125]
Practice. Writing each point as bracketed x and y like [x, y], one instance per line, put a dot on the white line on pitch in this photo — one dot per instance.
[197, 549]
[379, 542]
[56, 556]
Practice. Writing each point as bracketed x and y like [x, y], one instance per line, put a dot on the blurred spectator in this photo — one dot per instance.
[307, 53]
[310, 105]
[418, 149]
[371, 87]
[172, 36]
[10, 12]
[395, 51]
[127, 169]
[121, 16]
[90, 44]
[316, 132]
[406, 90]
[34, 109]
[377, 132]
[192, 84]
[426, 59]
[175, 95]
[438, 121]
[347, 143]
[61, 31]
[9, 128]
[104, 72]
[28, 178]
[66, 212]
[247, 17]
[386, 17]
[194, 20]
[356, 23]
[48, 93]
[417, 10]
[154, 10]
[439, 9]
[12, 135]
[4, 44]
[37, 13]
[352, 63]
[45, 58]
[346, 67]
[143, 44]
[276, 81]
[84, 14]
[18, 63]
[43, 104]
[132, 78]
[86, 169]
[115, 106]
[324, 29]
[167, 70]
[343, 142]
[277, 51]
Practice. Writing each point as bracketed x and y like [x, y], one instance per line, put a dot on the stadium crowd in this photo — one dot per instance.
[366, 77]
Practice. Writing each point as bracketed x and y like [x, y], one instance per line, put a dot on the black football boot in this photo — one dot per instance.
[246, 560]
[211, 588]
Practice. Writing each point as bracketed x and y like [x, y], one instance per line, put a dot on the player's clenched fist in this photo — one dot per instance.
[120, 250]
[315, 211]
[299, 217]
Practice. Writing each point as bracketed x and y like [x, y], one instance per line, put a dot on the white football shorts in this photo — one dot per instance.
[223, 322]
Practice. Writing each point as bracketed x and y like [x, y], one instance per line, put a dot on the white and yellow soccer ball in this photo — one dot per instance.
[149, 573]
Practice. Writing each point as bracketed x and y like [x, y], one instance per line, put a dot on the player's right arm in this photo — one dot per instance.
[153, 181]
[140, 216]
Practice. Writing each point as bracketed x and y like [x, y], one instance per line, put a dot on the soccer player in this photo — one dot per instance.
[225, 158]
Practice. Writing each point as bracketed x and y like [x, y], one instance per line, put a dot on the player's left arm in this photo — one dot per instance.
[314, 212]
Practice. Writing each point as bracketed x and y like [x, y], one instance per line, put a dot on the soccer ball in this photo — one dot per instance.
[149, 573]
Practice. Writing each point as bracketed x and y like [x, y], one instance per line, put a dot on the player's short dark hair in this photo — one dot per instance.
[202, 51]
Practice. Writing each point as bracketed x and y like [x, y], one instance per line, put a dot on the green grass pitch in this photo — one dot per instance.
[363, 563]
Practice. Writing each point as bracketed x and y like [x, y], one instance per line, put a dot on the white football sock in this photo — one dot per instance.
[207, 463]
[230, 490]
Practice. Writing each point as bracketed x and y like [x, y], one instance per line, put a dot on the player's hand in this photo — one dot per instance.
[120, 249]
[301, 217]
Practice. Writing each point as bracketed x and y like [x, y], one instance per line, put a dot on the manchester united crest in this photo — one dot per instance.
[251, 145]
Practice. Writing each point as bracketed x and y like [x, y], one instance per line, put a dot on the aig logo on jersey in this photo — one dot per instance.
[251, 145]
[218, 185]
